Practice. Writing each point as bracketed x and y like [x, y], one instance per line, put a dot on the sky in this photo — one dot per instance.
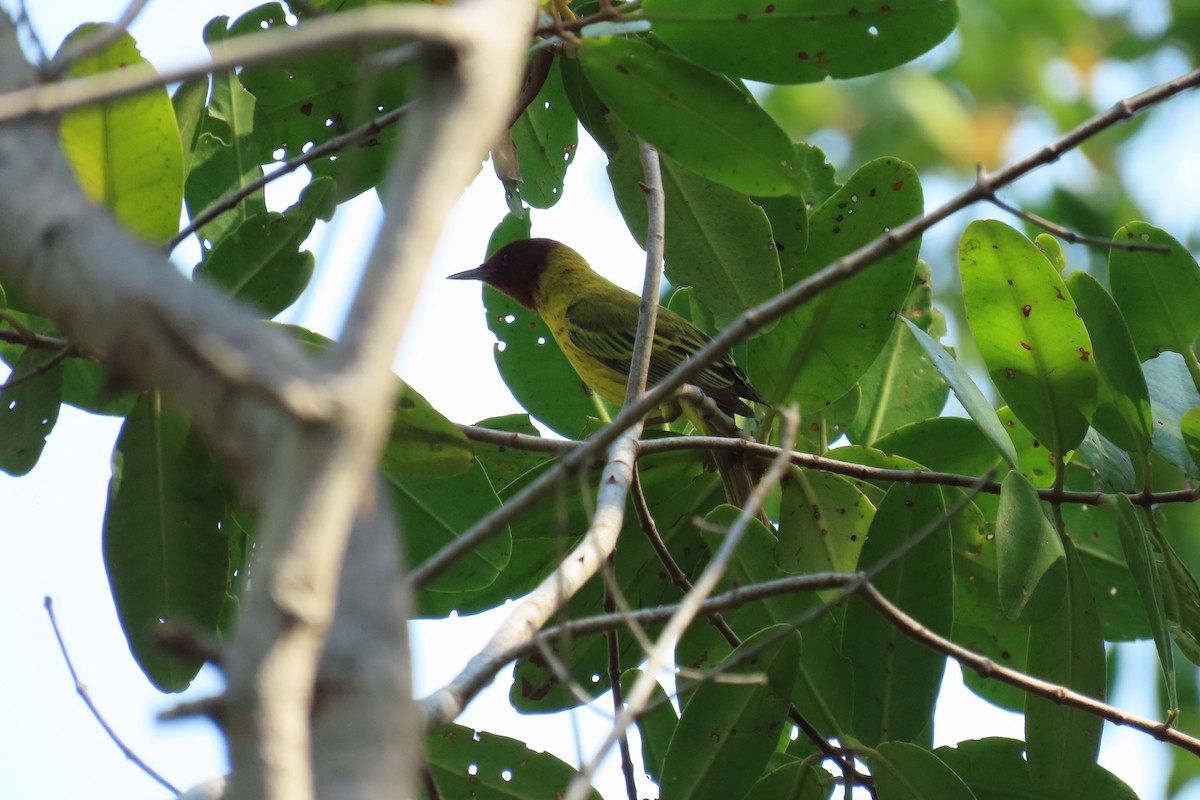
[51, 747]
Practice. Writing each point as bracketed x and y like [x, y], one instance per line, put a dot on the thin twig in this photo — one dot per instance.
[1068, 235]
[614, 679]
[1027, 683]
[291, 165]
[659, 655]
[41, 369]
[82, 691]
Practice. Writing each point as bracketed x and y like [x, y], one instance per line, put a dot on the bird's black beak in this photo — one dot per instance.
[481, 273]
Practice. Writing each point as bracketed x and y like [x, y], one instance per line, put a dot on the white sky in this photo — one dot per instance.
[50, 747]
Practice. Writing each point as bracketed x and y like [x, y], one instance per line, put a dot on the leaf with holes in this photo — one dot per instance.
[1035, 346]
[799, 41]
[817, 353]
[545, 136]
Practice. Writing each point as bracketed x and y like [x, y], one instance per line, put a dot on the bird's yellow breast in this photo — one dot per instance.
[563, 285]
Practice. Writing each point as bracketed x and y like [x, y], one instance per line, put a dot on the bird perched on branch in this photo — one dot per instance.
[595, 322]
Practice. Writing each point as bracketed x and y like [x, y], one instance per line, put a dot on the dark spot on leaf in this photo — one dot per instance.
[1036, 443]
[1026, 310]
[306, 109]
[1010, 373]
[1010, 281]
[770, 9]
[1059, 293]
[621, 68]
[802, 55]
[854, 12]
[741, 17]
[837, 230]
[908, 503]
[872, 192]
[897, 186]
[862, 326]
[1026, 345]
[1084, 355]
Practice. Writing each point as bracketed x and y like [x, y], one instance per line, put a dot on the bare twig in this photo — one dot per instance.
[82, 691]
[1068, 235]
[1027, 683]
[614, 677]
[659, 655]
[41, 369]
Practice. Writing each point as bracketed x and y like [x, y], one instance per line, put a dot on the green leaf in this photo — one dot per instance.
[166, 539]
[968, 394]
[1172, 396]
[818, 352]
[994, 769]
[28, 410]
[126, 153]
[225, 155]
[310, 98]
[469, 763]
[545, 136]
[694, 116]
[1123, 414]
[1135, 541]
[1181, 597]
[1029, 333]
[261, 261]
[823, 523]
[799, 780]
[1029, 555]
[1066, 649]
[1157, 293]
[943, 444]
[801, 41]
[904, 771]
[435, 510]
[728, 731]
[1189, 428]
[422, 441]
[896, 680]
[903, 385]
[504, 465]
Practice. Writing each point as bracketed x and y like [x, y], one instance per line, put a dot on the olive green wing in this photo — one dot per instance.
[606, 330]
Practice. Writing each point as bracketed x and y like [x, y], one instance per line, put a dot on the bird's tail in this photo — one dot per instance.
[740, 474]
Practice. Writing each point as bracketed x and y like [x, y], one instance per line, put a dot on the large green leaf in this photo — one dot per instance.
[728, 731]
[225, 155]
[166, 538]
[545, 136]
[904, 771]
[435, 510]
[260, 262]
[823, 523]
[995, 769]
[656, 724]
[1124, 412]
[799, 780]
[801, 41]
[903, 385]
[467, 763]
[1157, 293]
[696, 117]
[896, 680]
[818, 352]
[28, 410]
[1029, 555]
[126, 153]
[968, 393]
[943, 444]
[1066, 649]
[1033, 342]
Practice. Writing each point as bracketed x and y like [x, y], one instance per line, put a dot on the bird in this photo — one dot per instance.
[594, 322]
